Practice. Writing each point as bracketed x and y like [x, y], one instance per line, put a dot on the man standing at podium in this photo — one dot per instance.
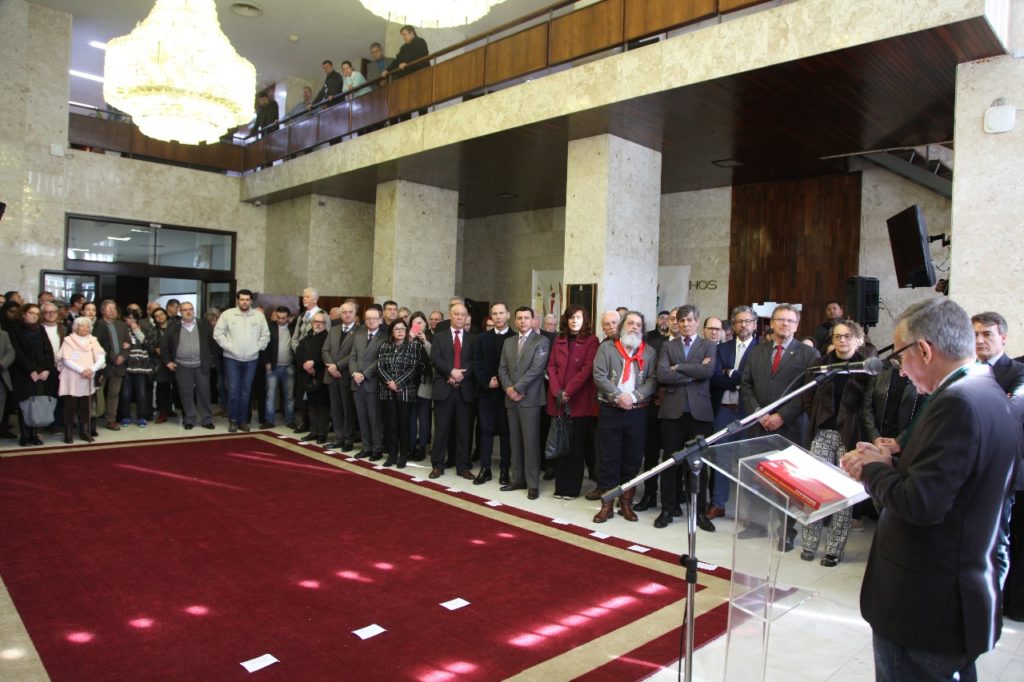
[931, 589]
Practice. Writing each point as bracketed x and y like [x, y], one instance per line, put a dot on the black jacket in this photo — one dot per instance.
[169, 344]
[410, 52]
[333, 84]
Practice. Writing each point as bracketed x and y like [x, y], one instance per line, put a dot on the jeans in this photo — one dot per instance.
[285, 374]
[238, 376]
[897, 663]
[133, 389]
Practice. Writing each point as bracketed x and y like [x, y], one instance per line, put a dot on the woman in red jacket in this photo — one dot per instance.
[571, 385]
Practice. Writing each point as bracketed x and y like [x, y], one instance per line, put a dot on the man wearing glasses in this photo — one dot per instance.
[931, 590]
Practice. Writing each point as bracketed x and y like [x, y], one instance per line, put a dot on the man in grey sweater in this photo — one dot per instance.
[242, 333]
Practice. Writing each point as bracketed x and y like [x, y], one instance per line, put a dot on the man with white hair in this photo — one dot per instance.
[303, 326]
[610, 325]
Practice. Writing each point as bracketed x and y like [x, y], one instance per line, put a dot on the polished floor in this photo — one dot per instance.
[823, 639]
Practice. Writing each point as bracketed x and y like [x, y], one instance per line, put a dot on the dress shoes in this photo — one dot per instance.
[751, 532]
[376, 457]
[714, 512]
[549, 474]
[363, 453]
[482, 477]
[243, 426]
[664, 518]
[391, 461]
[232, 427]
[266, 425]
[308, 438]
[436, 473]
[188, 427]
[704, 523]
[648, 501]
[347, 446]
[678, 511]
[209, 425]
[468, 475]
[333, 445]
[532, 494]
[786, 542]
[504, 477]
[321, 440]
[595, 494]
[510, 487]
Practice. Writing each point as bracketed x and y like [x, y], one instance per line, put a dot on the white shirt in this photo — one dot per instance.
[733, 397]
[54, 336]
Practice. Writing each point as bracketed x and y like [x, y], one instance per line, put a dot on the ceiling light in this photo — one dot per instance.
[178, 76]
[98, 45]
[432, 13]
[506, 195]
[119, 239]
[87, 76]
[728, 163]
[246, 9]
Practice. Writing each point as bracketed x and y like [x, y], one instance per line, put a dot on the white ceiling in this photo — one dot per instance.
[327, 29]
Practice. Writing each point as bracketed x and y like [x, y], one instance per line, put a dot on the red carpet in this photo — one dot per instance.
[180, 560]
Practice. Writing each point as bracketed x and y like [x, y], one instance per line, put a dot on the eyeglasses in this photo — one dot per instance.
[842, 337]
[896, 358]
[785, 320]
[713, 329]
[743, 322]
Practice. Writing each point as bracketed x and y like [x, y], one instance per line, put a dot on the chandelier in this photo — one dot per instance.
[430, 13]
[178, 76]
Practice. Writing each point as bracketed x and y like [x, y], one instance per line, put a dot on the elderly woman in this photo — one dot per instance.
[571, 388]
[78, 360]
[836, 426]
[309, 357]
[34, 371]
[399, 364]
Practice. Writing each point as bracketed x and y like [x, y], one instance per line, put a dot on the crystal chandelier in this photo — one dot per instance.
[430, 13]
[178, 75]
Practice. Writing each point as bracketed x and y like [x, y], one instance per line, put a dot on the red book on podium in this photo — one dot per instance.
[805, 488]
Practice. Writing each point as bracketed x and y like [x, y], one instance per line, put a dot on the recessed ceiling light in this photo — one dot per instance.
[728, 163]
[98, 45]
[87, 76]
[246, 9]
[293, 38]
[506, 195]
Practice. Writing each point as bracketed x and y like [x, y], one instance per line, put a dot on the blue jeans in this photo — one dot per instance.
[897, 663]
[133, 390]
[419, 423]
[285, 374]
[238, 375]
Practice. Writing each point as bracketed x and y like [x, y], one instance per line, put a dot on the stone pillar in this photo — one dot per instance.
[987, 219]
[612, 214]
[415, 244]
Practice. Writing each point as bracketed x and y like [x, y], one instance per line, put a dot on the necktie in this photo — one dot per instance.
[686, 346]
[369, 338]
[776, 359]
[458, 349]
[522, 340]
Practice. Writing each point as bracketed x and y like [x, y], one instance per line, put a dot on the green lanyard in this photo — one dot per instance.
[956, 376]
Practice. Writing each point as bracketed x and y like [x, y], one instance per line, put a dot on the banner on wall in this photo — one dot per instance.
[547, 292]
[673, 286]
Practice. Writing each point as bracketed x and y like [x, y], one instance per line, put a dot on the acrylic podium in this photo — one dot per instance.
[762, 501]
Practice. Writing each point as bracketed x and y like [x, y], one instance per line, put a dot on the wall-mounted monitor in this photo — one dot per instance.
[908, 236]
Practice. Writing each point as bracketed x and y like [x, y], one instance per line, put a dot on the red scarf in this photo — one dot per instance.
[638, 357]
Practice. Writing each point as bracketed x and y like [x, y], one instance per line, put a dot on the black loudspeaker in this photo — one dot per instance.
[862, 300]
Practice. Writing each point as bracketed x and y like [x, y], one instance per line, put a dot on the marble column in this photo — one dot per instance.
[415, 244]
[612, 216]
[986, 264]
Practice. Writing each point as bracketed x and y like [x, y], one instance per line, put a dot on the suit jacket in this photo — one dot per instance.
[721, 380]
[759, 386]
[6, 359]
[409, 52]
[338, 350]
[1009, 375]
[364, 357]
[873, 411]
[931, 580]
[524, 370]
[442, 355]
[333, 84]
[688, 386]
[486, 359]
[102, 332]
[170, 339]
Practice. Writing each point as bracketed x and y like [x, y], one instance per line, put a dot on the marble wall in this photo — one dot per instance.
[695, 232]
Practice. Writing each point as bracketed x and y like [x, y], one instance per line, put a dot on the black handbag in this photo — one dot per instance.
[559, 442]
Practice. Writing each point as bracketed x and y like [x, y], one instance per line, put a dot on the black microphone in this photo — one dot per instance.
[870, 366]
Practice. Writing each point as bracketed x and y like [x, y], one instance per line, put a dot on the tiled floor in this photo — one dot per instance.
[823, 639]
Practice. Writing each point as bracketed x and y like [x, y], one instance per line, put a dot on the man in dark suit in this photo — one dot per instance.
[337, 351]
[932, 586]
[187, 351]
[685, 365]
[454, 391]
[362, 365]
[491, 399]
[730, 361]
[112, 334]
[413, 48]
[990, 330]
[333, 84]
[772, 370]
[524, 358]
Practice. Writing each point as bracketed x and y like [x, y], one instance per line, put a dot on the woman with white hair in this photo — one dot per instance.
[80, 357]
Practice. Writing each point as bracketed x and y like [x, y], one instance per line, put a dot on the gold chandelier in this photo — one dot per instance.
[430, 13]
[178, 76]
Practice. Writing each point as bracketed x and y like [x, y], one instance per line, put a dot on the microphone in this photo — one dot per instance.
[870, 366]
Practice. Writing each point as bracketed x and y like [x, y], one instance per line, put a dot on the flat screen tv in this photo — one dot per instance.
[908, 235]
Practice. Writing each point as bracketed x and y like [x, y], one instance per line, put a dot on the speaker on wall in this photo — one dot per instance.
[862, 300]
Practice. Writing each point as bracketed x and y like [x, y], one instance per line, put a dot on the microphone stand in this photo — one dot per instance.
[694, 465]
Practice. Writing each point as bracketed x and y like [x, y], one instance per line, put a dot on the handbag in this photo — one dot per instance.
[38, 410]
[559, 443]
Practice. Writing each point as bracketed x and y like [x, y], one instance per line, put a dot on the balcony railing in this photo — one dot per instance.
[527, 46]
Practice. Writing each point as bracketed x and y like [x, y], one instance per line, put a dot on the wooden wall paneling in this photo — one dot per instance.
[302, 134]
[647, 17]
[255, 154]
[458, 75]
[795, 241]
[157, 149]
[733, 5]
[277, 144]
[411, 92]
[220, 156]
[369, 109]
[334, 122]
[517, 55]
[99, 133]
[585, 31]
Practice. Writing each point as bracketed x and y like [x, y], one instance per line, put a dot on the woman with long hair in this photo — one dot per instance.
[34, 371]
[399, 364]
[80, 357]
[571, 389]
[162, 377]
[419, 421]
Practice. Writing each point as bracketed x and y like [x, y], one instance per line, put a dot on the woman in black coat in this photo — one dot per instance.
[309, 378]
[34, 371]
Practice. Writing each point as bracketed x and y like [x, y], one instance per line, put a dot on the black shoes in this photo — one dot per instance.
[482, 477]
[830, 561]
[508, 487]
[308, 438]
[363, 453]
[436, 472]
[209, 425]
[266, 425]
[391, 461]
[503, 477]
[188, 427]
[532, 494]
[704, 523]
[648, 501]
[664, 518]
[243, 427]
[376, 457]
